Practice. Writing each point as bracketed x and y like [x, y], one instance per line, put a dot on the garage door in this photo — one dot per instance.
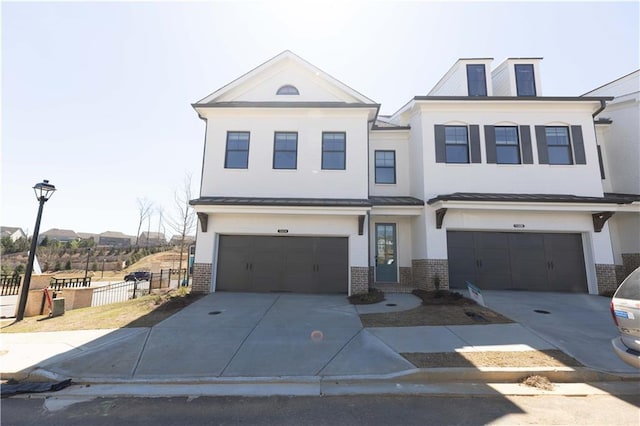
[282, 264]
[517, 261]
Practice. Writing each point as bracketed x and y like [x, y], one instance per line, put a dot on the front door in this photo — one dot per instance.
[386, 259]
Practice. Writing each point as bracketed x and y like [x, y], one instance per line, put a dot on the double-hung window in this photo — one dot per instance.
[385, 166]
[525, 80]
[558, 145]
[456, 144]
[333, 150]
[476, 80]
[285, 150]
[507, 145]
[237, 152]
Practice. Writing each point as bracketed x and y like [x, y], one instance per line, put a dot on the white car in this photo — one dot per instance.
[625, 309]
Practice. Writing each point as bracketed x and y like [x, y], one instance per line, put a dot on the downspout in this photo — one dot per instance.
[603, 105]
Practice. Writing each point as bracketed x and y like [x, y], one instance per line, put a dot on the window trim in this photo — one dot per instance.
[375, 166]
[288, 89]
[344, 151]
[484, 81]
[569, 146]
[533, 79]
[467, 144]
[518, 145]
[275, 138]
[226, 150]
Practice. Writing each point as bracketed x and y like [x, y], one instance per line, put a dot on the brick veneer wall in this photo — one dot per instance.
[630, 261]
[406, 276]
[606, 276]
[359, 279]
[620, 273]
[201, 278]
[425, 270]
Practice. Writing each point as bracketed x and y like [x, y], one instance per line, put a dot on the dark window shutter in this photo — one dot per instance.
[541, 140]
[578, 145]
[490, 144]
[474, 140]
[525, 143]
[441, 150]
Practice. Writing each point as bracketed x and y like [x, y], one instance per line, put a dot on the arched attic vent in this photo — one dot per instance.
[287, 89]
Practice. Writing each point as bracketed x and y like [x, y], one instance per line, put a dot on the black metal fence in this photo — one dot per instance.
[119, 292]
[166, 276]
[10, 284]
[60, 283]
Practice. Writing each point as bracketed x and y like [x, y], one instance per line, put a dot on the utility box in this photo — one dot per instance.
[58, 307]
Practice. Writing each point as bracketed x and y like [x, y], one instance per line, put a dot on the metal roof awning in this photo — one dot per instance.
[600, 208]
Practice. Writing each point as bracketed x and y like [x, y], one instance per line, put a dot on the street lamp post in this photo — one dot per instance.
[43, 190]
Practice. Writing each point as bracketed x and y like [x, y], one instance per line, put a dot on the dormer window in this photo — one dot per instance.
[525, 81]
[476, 80]
[287, 89]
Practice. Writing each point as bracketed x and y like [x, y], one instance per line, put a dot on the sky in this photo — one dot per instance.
[96, 96]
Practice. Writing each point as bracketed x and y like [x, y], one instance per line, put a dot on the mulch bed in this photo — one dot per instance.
[541, 358]
[435, 315]
[438, 308]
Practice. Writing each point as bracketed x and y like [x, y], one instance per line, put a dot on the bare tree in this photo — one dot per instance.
[182, 221]
[144, 210]
[160, 211]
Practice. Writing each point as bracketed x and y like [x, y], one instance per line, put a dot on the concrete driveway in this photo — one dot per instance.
[578, 324]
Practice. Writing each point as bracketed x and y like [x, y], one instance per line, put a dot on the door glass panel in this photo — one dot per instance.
[386, 268]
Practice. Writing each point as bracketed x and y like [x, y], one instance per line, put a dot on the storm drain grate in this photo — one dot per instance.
[541, 311]
[215, 312]
[391, 304]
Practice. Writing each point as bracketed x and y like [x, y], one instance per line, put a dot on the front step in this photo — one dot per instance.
[393, 287]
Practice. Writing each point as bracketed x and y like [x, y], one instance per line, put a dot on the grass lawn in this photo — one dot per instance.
[145, 311]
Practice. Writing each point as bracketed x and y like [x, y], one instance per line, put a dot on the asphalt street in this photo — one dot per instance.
[339, 410]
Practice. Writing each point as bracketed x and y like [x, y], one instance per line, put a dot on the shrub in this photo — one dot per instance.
[373, 296]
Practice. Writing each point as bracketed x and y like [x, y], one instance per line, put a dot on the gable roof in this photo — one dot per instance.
[287, 55]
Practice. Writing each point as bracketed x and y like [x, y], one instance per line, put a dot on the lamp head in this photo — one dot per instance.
[44, 190]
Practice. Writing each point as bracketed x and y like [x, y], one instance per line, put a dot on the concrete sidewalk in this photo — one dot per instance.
[265, 337]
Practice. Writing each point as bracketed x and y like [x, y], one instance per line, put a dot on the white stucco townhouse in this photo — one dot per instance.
[618, 133]
[305, 188]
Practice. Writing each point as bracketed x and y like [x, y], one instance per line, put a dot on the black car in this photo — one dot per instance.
[138, 276]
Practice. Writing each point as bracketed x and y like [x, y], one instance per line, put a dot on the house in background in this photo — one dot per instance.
[306, 188]
[176, 239]
[88, 236]
[618, 133]
[13, 233]
[115, 239]
[152, 239]
[61, 235]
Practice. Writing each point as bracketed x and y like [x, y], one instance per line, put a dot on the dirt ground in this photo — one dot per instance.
[145, 311]
[541, 358]
[435, 315]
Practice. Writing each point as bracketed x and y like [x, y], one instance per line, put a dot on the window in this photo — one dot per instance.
[333, 150]
[287, 89]
[558, 145]
[456, 144]
[285, 150]
[525, 82]
[237, 155]
[385, 166]
[476, 80]
[507, 146]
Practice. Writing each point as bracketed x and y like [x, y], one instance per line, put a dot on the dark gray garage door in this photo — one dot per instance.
[517, 261]
[287, 264]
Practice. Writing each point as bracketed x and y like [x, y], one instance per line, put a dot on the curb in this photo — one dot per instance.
[418, 375]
